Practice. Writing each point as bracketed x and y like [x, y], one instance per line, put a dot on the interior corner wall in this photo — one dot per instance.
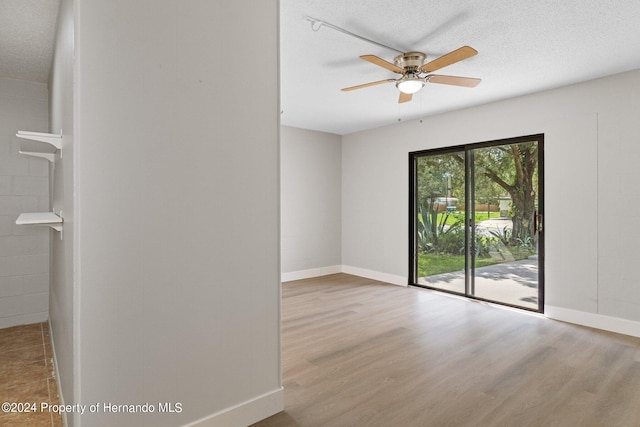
[591, 197]
[63, 256]
[24, 187]
[311, 180]
[177, 212]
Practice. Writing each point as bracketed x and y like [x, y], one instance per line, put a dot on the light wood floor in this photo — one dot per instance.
[362, 353]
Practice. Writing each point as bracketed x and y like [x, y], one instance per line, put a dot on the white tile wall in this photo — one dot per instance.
[5, 185]
[24, 187]
[5, 226]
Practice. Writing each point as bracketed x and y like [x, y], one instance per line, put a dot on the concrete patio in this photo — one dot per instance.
[513, 282]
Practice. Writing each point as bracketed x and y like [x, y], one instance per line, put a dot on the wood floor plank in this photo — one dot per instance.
[357, 352]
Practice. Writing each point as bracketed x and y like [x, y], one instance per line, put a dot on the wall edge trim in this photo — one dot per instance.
[245, 413]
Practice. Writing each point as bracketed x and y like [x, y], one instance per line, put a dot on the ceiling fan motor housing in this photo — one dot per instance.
[410, 61]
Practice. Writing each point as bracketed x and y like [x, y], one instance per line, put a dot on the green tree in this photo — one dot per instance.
[514, 168]
[439, 177]
[434, 175]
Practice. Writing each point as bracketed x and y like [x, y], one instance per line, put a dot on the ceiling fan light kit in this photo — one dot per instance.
[410, 85]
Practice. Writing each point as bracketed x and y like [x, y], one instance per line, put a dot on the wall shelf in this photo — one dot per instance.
[54, 140]
[49, 219]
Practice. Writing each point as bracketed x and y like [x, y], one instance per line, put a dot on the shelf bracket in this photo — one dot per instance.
[49, 138]
[49, 156]
[55, 140]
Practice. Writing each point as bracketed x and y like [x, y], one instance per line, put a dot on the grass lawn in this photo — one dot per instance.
[430, 264]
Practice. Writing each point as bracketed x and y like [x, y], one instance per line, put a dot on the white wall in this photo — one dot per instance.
[618, 292]
[24, 187]
[311, 176]
[592, 137]
[61, 300]
[175, 296]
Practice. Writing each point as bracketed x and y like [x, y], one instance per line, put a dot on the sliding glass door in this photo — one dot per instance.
[476, 221]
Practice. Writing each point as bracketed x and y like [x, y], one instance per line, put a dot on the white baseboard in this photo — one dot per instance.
[593, 320]
[23, 319]
[245, 413]
[334, 269]
[375, 275]
[314, 272]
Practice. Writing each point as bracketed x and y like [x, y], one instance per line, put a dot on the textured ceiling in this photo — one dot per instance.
[27, 30]
[523, 47]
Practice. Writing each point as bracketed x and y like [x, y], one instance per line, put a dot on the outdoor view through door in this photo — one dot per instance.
[476, 225]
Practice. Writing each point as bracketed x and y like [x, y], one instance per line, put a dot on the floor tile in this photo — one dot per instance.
[27, 374]
[20, 336]
[35, 419]
[21, 372]
[34, 391]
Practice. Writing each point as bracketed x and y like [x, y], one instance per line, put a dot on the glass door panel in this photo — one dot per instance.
[440, 232]
[505, 258]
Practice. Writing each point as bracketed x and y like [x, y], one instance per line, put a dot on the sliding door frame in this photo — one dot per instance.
[469, 221]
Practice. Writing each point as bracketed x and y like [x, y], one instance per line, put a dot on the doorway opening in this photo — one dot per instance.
[476, 221]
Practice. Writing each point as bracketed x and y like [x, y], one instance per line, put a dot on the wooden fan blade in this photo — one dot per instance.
[382, 63]
[453, 80]
[450, 58]
[346, 89]
[404, 97]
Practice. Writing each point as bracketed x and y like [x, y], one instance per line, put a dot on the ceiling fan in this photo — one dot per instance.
[415, 73]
